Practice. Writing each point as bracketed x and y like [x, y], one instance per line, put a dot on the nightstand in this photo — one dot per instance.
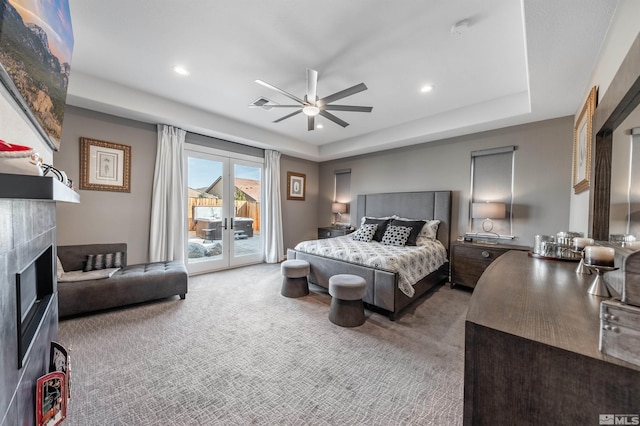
[469, 260]
[330, 232]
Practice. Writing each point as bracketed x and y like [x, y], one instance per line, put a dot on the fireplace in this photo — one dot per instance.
[28, 288]
[34, 290]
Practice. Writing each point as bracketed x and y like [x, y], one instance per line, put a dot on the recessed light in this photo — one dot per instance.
[180, 70]
[427, 88]
[319, 126]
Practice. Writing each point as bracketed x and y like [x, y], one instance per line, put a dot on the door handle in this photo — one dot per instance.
[231, 223]
[225, 223]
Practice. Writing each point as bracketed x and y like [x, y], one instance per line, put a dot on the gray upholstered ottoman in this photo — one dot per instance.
[347, 308]
[294, 278]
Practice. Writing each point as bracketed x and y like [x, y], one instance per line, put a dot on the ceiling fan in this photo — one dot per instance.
[311, 105]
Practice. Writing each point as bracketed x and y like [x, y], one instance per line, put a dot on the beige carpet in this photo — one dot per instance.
[236, 352]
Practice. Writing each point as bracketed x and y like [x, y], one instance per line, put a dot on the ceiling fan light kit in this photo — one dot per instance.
[311, 106]
[311, 110]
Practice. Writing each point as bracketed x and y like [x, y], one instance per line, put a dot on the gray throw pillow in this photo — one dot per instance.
[103, 261]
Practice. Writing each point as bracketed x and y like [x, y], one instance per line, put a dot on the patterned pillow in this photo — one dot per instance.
[382, 223]
[365, 232]
[429, 232]
[396, 235]
[103, 261]
[415, 225]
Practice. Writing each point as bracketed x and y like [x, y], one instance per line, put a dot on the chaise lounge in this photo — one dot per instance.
[128, 285]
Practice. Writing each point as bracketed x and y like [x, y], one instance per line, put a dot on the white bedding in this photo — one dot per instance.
[411, 262]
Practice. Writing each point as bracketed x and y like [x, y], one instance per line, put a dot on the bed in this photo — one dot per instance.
[383, 284]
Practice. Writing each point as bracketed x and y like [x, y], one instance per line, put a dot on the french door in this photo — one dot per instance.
[224, 191]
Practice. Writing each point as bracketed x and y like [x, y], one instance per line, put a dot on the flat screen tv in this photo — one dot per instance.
[36, 43]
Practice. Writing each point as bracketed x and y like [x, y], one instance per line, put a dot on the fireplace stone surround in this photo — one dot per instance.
[27, 229]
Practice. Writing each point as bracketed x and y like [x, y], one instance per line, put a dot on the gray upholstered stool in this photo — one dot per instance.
[294, 278]
[347, 291]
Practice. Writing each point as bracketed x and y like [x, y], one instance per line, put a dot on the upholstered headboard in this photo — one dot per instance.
[413, 205]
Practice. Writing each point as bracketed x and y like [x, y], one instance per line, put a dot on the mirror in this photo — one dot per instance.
[620, 100]
[624, 214]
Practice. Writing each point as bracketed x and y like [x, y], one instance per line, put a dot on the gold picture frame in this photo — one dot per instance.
[105, 166]
[296, 186]
[582, 133]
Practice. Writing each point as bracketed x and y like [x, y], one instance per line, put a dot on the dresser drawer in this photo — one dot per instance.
[469, 260]
[488, 254]
[332, 232]
[466, 279]
[620, 331]
[618, 313]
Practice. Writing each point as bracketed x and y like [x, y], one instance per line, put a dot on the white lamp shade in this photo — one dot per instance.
[488, 210]
[338, 208]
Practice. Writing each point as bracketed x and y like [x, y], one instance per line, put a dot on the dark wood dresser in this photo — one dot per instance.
[469, 260]
[531, 349]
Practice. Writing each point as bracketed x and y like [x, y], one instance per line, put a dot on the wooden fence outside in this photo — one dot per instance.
[242, 209]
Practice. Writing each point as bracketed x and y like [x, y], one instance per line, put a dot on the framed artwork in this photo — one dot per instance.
[36, 43]
[296, 185]
[582, 132]
[51, 399]
[105, 166]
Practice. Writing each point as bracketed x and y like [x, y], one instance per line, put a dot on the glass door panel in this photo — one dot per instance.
[247, 188]
[223, 211]
[207, 212]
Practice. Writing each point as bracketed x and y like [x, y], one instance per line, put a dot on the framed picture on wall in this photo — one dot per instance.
[582, 132]
[36, 43]
[296, 185]
[105, 166]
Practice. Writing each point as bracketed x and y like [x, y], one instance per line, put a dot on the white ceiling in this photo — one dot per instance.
[518, 62]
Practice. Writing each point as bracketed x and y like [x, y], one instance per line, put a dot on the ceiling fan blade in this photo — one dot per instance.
[312, 86]
[311, 124]
[287, 94]
[347, 108]
[287, 116]
[269, 106]
[333, 118]
[343, 94]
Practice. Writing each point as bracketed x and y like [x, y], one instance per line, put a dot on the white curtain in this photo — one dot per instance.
[272, 225]
[167, 237]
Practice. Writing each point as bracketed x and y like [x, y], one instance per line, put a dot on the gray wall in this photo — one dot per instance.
[542, 174]
[112, 217]
[299, 218]
[540, 197]
[103, 216]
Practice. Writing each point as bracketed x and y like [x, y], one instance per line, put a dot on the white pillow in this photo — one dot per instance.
[372, 217]
[396, 235]
[59, 269]
[96, 274]
[365, 232]
[429, 231]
